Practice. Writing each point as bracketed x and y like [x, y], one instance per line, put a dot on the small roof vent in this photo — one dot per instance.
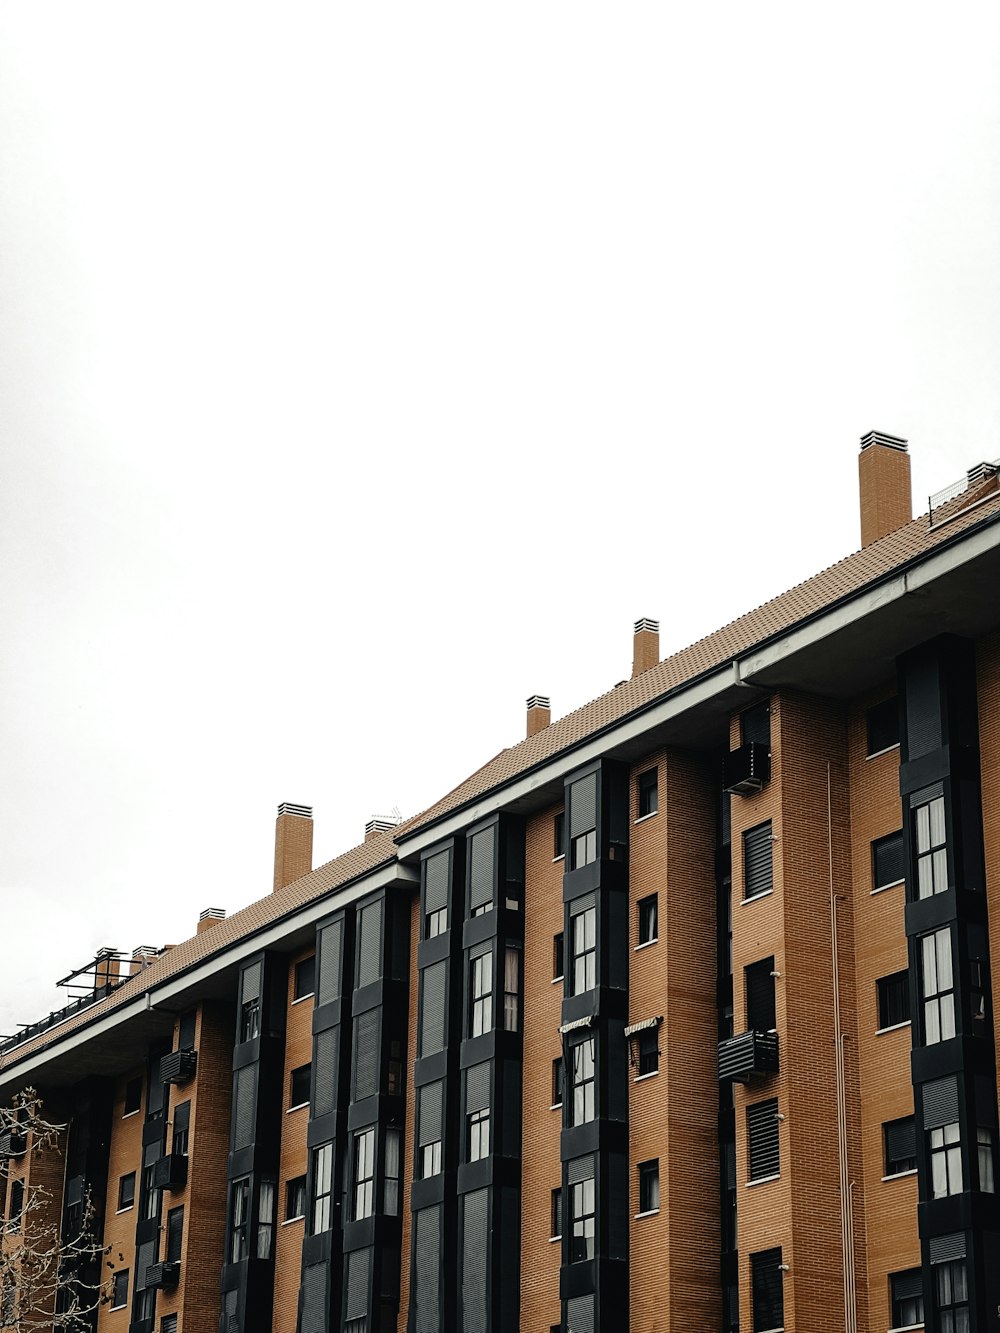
[539, 701]
[213, 914]
[653, 626]
[379, 825]
[889, 441]
[289, 808]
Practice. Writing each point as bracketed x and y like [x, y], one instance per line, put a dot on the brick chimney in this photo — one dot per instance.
[293, 843]
[645, 646]
[378, 825]
[884, 477]
[209, 918]
[539, 713]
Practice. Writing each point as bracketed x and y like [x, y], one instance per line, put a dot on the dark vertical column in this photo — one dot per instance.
[147, 1228]
[729, 1260]
[953, 1061]
[594, 1141]
[88, 1145]
[255, 1141]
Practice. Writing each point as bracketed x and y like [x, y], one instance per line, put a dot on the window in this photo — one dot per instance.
[899, 1139]
[322, 1207]
[481, 992]
[265, 1220]
[364, 1173]
[437, 873]
[986, 1142]
[766, 1291]
[250, 1019]
[582, 1081]
[433, 981]
[647, 919]
[762, 1139]
[583, 1216]
[181, 1129]
[584, 849]
[945, 1145]
[119, 1290]
[126, 1191]
[931, 848]
[887, 861]
[150, 1194]
[300, 1084]
[558, 960]
[133, 1096]
[907, 1296]
[758, 850]
[478, 1135]
[951, 1293]
[893, 1000]
[430, 1129]
[437, 923]
[755, 725]
[584, 932]
[648, 802]
[938, 987]
[883, 726]
[511, 987]
[557, 1082]
[559, 836]
[482, 859]
[305, 977]
[239, 1204]
[649, 1186]
[295, 1198]
[390, 1190]
[16, 1204]
[168, 1324]
[649, 1051]
[175, 1235]
[394, 1078]
[556, 1215]
[759, 979]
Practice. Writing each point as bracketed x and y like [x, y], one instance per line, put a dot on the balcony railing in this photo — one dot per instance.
[170, 1172]
[165, 1275]
[12, 1144]
[178, 1066]
[748, 1055]
[747, 769]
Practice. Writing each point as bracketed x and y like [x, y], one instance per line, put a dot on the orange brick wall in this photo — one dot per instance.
[124, 1157]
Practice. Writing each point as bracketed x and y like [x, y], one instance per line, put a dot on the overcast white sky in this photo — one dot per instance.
[365, 368]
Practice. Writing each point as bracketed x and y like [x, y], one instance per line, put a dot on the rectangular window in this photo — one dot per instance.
[883, 726]
[557, 1082]
[322, 1205]
[250, 981]
[181, 1130]
[119, 1291]
[394, 1072]
[647, 919]
[482, 855]
[755, 725]
[305, 977]
[938, 986]
[887, 861]
[648, 796]
[477, 1139]
[762, 1139]
[766, 1291]
[133, 1096]
[945, 1147]
[583, 1214]
[239, 1212]
[986, 1142]
[649, 1051]
[16, 1205]
[265, 1219]
[481, 994]
[430, 1129]
[899, 1139]
[582, 1080]
[295, 1198]
[175, 1235]
[907, 1296]
[511, 988]
[758, 850]
[301, 1081]
[556, 1215]
[759, 979]
[951, 1294]
[584, 849]
[126, 1191]
[649, 1186]
[437, 871]
[364, 1173]
[558, 961]
[168, 1324]
[893, 999]
[559, 836]
[432, 1007]
[390, 1192]
[584, 931]
[931, 848]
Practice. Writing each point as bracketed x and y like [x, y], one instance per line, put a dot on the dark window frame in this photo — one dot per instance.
[133, 1096]
[298, 1076]
[896, 1161]
[647, 914]
[363, 1151]
[649, 1186]
[891, 843]
[582, 1063]
[583, 1219]
[559, 835]
[556, 1215]
[906, 1298]
[304, 983]
[558, 956]
[119, 1297]
[648, 1062]
[238, 1246]
[295, 1198]
[760, 835]
[882, 727]
[767, 1291]
[647, 790]
[558, 1082]
[892, 998]
[124, 1204]
[477, 1135]
[584, 960]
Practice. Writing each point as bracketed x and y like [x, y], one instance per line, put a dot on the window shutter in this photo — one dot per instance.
[429, 1127]
[762, 1135]
[369, 944]
[906, 1286]
[477, 1088]
[755, 725]
[244, 1106]
[358, 1265]
[251, 983]
[175, 1234]
[366, 1053]
[475, 1260]
[888, 859]
[580, 1168]
[427, 1266]
[757, 860]
[940, 1102]
[481, 864]
[432, 1008]
[900, 1139]
[943, 1249]
[330, 945]
[314, 1296]
[146, 1258]
[768, 1297]
[324, 1081]
[760, 996]
[583, 805]
[436, 881]
[580, 1314]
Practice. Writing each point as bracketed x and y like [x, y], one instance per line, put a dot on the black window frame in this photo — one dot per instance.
[940, 1001]
[754, 841]
[760, 998]
[647, 920]
[582, 1089]
[763, 1140]
[649, 1186]
[556, 1215]
[558, 1082]
[119, 1298]
[892, 998]
[133, 1096]
[125, 1203]
[558, 956]
[321, 1202]
[481, 986]
[364, 1148]
[899, 1146]
[648, 1061]
[906, 1298]
[304, 983]
[882, 727]
[944, 1160]
[295, 1198]
[302, 1074]
[647, 793]
[584, 961]
[889, 849]
[583, 1219]
[238, 1240]
[477, 1135]
[559, 835]
[767, 1291]
[944, 1292]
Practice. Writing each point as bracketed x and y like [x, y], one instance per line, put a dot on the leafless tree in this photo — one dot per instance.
[54, 1271]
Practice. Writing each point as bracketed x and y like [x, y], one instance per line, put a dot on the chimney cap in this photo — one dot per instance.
[380, 825]
[889, 441]
[539, 701]
[213, 914]
[645, 624]
[290, 808]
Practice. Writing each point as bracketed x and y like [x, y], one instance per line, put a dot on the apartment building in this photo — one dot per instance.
[677, 1015]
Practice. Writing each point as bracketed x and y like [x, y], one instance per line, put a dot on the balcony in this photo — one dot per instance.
[165, 1275]
[748, 1055]
[170, 1172]
[178, 1066]
[744, 771]
[12, 1144]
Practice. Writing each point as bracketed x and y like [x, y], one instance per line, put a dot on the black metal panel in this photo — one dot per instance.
[178, 1066]
[762, 1138]
[748, 1054]
[366, 1054]
[369, 944]
[758, 849]
[476, 1261]
[427, 1312]
[747, 769]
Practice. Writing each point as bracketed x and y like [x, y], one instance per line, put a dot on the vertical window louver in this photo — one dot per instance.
[432, 1008]
[583, 821]
[369, 944]
[758, 874]
[766, 1291]
[324, 1079]
[762, 1139]
[475, 1260]
[358, 1269]
[427, 1268]
[436, 874]
[366, 1052]
[330, 949]
[481, 874]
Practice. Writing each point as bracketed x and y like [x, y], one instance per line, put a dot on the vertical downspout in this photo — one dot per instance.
[846, 1185]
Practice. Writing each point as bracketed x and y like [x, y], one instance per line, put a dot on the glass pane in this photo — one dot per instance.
[930, 965]
[923, 829]
[937, 822]
[942, 940]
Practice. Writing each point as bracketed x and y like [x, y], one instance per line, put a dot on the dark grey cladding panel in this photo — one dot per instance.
[940, 1102]
[432, 1016]
[580, 1168]
[331, 948]
[481, 868]
[244, 1106]
[436, 874]
[251, 983]
[427, 1268]
[580, 1314]
[314, 1298]
[358, 1269]
[369, 944]
[943, 1249]
[923, 707]
[475, 1261]
[324, 1077]
[429, 1113]
[477, 1087]
[583, 805]
[366, 1054]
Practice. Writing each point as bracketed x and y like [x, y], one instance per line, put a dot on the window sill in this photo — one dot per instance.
[297, 1107]
[639, 1078]
[553, 1239]
[646, 943]
[127, 1115]
[113, 1308]
[127, 1209]
[764, 1180]
[894, 1027]
[650, 1212]
[906, 1328]
[560, 857]
[555, 979]
[901, 1175]
[756, 898]
[882, 888]
[301, 998]
[556, 1106]
[874, 755]
[642, 818]
[289, 1220]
